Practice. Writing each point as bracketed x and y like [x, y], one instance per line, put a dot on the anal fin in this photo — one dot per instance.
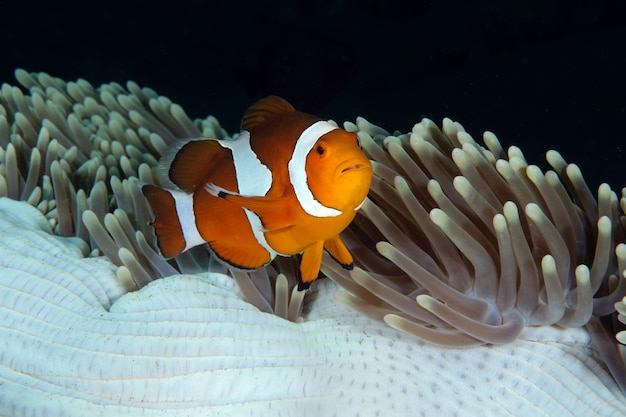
[243, 257]
[275, 212]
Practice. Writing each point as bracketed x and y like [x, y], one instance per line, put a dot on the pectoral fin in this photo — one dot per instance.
[338, 250]
[275, 212]
[310, 265]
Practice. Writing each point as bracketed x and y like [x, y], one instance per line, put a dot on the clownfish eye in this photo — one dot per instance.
[320, 150]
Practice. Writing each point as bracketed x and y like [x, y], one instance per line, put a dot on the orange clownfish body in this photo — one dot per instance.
[288, 184]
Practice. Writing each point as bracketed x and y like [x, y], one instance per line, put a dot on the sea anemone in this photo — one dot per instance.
[458, 244]
[462, 245]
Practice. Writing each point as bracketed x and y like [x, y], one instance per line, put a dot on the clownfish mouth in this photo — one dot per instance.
[354, 167]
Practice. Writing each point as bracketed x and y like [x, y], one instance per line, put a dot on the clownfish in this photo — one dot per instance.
[287, 185]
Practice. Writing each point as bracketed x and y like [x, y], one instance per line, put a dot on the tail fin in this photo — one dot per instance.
[166, 224]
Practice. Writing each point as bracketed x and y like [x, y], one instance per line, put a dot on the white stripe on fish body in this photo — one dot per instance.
[187, 219]
[259, 233]
[253, 177]
[297, 170]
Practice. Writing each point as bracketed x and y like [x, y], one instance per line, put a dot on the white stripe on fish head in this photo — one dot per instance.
[297, 170]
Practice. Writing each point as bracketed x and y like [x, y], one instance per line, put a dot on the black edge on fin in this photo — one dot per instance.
[303, 286]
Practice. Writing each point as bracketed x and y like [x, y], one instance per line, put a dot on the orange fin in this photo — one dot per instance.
[264, 109]
[340, 253]
[275, 212]
[166, 224]
[188, 163]
[241, 257]
[310, 265]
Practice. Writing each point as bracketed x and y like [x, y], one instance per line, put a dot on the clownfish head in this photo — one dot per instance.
[338, 173]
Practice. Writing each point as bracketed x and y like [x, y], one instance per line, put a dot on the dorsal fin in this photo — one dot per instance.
[188, 163]
[264, 109]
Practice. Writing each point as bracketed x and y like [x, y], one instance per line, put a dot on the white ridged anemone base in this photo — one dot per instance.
[72, 344]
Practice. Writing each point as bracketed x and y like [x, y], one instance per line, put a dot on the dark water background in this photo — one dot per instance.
[541, 75]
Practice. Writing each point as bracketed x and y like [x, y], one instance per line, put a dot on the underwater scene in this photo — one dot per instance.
[343, 208]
